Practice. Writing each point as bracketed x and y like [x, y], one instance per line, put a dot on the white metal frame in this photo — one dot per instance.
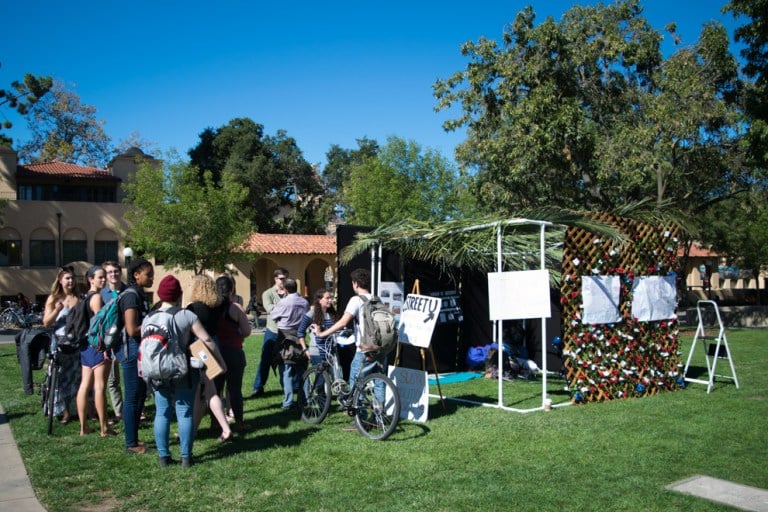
[722, 341]
[498, 323]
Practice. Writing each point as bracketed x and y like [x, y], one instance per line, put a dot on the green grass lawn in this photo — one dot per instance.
[608, 456]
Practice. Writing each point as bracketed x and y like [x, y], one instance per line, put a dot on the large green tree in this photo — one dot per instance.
[20, 97]
[284, 191]
[754, 35]
[190, 222]
[337, 170]
[586, 113]
[63, 128]
[402, 181]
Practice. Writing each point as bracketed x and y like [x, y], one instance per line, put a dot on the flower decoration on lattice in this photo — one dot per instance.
[629, 358]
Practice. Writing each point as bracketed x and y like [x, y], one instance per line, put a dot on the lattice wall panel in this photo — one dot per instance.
[629, 358]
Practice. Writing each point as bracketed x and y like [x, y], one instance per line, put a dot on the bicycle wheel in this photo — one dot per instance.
[50, 389]
[6, 319]
[315, 395]
[376, 406]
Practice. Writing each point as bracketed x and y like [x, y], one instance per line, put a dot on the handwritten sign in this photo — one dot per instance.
[414, 396]
[418, 317]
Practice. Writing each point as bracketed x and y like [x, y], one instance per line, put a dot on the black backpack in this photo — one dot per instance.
[76, 328]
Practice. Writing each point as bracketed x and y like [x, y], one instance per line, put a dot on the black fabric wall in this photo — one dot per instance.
[450, 341]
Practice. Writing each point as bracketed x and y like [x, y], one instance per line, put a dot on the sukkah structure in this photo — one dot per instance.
[628, 358]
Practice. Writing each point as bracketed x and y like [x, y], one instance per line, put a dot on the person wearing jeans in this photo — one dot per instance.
[177, 396]
[361, 285]
[288, 314]
[269, 299]
[133, 309]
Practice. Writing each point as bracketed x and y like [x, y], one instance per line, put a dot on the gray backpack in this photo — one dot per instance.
[380, 330]
[162, 358]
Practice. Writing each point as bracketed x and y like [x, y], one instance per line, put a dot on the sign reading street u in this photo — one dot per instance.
[417, 320]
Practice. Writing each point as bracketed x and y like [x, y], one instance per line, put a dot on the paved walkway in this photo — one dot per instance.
[16, 492]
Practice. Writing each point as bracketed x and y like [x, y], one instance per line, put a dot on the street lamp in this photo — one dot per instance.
[127, 255]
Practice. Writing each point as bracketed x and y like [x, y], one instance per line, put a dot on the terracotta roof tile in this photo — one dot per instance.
[61, 170]
[290, 244]
[697, 252]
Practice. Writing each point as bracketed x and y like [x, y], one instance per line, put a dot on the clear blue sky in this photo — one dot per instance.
[326, 72]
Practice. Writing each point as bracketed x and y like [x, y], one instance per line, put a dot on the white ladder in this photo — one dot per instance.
[721, 340]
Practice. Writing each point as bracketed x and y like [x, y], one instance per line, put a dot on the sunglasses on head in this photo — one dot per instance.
[68, 268]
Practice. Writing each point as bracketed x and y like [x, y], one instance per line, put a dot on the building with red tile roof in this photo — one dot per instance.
[60, 213]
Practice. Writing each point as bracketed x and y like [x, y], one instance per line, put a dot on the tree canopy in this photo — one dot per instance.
[284, 191]
[20, 97]
[64, 129]
[586, 113]
[402, 181]
[184, 218]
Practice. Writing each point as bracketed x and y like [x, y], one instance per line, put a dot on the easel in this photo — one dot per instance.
[722, 343]
[423, 354]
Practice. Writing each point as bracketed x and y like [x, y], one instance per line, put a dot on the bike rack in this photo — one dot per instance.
[718, 350]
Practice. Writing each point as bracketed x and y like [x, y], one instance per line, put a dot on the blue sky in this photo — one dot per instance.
[326, 72]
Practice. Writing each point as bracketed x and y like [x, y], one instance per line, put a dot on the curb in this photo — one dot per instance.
[16, 493]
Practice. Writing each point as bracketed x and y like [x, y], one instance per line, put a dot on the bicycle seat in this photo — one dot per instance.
[345, 337]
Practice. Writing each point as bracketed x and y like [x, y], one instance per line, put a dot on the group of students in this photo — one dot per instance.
[211, 316]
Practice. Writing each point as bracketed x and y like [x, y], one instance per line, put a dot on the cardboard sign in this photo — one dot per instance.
[212, 367]
[414, 392]
[417, 320]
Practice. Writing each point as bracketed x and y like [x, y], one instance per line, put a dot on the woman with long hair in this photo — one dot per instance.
[204, 302]
[233, 327]
[61, 301]
[95, 364]
[323, 314]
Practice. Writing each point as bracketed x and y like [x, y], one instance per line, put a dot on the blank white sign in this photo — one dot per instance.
[519, 295]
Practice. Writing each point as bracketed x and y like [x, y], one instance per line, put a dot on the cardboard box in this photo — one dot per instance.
[212, 366]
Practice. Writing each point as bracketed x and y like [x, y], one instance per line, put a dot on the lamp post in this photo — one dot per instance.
[127, 255]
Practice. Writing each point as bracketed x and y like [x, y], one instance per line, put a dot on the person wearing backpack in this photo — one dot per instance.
[361, 285]
[133, 308]
[177, 394]
[60, 303]
[95, 364]
[111, 290]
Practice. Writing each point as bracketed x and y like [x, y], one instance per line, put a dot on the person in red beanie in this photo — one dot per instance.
[178, 395]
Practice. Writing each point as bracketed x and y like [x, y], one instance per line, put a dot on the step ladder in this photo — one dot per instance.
[718, 346]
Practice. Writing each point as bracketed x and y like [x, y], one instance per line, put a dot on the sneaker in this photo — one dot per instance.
[136, 450]
[257, 393]
[186, 462]
[350, 428]
[166, 461]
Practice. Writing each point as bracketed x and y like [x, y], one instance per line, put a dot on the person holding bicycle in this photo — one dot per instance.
[61, 301]
[321, 313]
[361, 285]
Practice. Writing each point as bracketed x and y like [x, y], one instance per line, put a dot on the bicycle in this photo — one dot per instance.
[51, 382]
[13, 316]
[373, 401]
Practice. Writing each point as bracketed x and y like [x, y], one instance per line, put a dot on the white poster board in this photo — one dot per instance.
[654, 297]
[600, 298]
[418, 317]
[519, 295]
[414, 392]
